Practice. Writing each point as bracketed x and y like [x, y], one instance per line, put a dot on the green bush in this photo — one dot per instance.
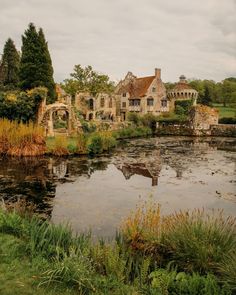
[149, 120]
[94, 144]
[228, 120]
[182, 107]
[135, 118]
[173, 283]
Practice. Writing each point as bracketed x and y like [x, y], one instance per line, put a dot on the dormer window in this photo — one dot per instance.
[153, 89]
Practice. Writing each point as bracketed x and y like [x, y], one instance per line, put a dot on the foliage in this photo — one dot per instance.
[211, 237]
[18, 139]
[59, 147]
[171, 282]
[62, 261]
[100, 141]
[74, 270]
[206, 97]
[149, 120]
[87, 80]
[10, 66]
[227, 120]
[21, 106]
[131, 132]
[134, 117]
[182, 107]
[222, 92]
[171, 118]
[36, 65]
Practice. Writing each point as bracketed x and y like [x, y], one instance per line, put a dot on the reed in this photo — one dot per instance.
[18, 139]
[59, 146]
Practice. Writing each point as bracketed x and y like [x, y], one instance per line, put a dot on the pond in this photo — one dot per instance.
[97, 193]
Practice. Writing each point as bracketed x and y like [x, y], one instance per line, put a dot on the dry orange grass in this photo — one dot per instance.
[142, 225]
[18, 139]
[196, 240]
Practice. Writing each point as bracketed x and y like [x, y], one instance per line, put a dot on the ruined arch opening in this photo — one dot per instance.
[60, 120]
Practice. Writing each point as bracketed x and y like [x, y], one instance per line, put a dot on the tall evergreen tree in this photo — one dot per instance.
[10, 65]
[36, 65]
[206, 98]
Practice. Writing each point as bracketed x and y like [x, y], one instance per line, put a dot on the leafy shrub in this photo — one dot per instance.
[94, 144]
[227, 120]
[165, 282]
[149, 120]
[130, 132]
[21, 106]
[100, 141]
[134, 118]
[182, 107]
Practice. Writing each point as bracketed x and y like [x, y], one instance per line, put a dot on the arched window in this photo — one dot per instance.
[110, 102]
[102, 102]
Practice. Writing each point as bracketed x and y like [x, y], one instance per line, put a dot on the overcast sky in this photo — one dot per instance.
[192, 37]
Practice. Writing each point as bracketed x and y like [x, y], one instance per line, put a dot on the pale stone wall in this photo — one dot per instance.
[202, 117]
[101, 107]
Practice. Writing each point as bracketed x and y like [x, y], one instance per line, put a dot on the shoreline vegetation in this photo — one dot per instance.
[18, 139]
[187, 253]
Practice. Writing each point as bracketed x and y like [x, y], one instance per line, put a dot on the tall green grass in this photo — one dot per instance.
[190, 252]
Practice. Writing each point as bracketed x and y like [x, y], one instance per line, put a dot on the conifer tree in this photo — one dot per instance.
[36, 65]
[10, 65]
[206, 98]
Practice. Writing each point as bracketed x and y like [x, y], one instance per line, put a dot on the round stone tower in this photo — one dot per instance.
[182, 91]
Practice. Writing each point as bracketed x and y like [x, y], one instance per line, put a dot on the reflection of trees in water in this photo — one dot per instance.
[27, 178]
[35, 179]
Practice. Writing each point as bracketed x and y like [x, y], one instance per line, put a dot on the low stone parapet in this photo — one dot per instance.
[228, 130]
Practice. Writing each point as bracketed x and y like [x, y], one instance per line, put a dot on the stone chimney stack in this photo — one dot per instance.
[158, 73]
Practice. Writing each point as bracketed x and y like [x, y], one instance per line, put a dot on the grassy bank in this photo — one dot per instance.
[226, 112]
[18, 139]
[183, 253]
[93, 143]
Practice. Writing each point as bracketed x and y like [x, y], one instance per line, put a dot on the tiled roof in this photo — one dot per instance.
[182, 86]
[137, 87]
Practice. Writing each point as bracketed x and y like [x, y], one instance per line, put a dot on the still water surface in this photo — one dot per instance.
[96, 193]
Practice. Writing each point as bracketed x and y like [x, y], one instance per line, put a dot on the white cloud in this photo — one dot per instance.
[196, 38]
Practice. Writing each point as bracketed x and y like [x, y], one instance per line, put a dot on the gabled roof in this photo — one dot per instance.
[137, 87]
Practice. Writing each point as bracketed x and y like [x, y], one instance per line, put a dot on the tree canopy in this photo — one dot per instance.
[87, 80]
[10, 66]
[36, 65]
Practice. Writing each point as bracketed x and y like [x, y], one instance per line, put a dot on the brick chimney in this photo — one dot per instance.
[158, 73]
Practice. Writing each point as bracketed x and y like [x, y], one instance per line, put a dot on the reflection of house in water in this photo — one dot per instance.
[144, 165]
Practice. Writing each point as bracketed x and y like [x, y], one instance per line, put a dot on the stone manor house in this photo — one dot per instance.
[134, 94]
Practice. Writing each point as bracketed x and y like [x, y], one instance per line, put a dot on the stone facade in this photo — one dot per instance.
[202, 117]
[100, 107]
[61, 107]
[182, 91]
[142, 95]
